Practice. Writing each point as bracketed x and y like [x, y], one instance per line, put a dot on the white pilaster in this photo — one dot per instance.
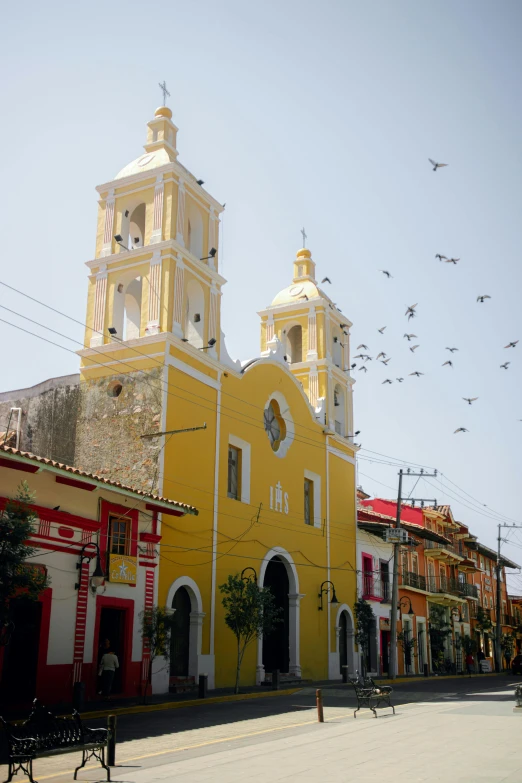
[109, 224]
[212, 320]
[270, 328]
[180, 224]
[313, 386]
[212, 235]
[294, 600]
[100, 298]
[330, 401]
[311, 354]
[177, 325]
[157, 225]
[153, 324]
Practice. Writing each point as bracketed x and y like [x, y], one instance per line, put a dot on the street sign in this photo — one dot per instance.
[396, 535]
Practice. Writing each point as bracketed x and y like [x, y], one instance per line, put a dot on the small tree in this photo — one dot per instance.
[440, 629]
[408, 644]
[18, 580]
[156, 630]
[365, 625]
[250, 612]
[507, 645]
[469, 645]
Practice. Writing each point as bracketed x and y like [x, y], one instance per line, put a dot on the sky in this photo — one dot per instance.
[320, 115]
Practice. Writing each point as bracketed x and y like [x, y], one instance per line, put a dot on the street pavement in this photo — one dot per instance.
[454, 730]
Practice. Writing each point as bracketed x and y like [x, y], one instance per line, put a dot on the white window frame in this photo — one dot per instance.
[245, 449]
[317, 496]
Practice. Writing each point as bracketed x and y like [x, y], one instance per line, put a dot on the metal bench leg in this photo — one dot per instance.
[27, 768]
[85, 756]
[356, 711]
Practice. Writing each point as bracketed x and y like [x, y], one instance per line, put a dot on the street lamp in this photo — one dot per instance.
[246, 578]
[326, 590]
[98, 576]
[401, 603]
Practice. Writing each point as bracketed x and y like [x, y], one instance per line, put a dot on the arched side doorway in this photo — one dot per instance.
[280, 650]
[184, 598]
[345, 635]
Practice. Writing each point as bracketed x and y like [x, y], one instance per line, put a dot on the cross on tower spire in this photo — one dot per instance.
[304, 237]
[163, 88]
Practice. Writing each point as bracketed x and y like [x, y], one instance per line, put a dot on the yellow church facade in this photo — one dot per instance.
[263, 449]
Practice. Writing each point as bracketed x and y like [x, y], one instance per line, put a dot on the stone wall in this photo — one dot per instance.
[110, 422]
[49, 414]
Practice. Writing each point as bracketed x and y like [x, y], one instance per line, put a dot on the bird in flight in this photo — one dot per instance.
[417, 373]
[381, 330]
[387, 381]
[362, 345]
[440, 257]
[400, 380]
[460, 429]
[410, 311]
[413, 348]
[452, 349]
[449, 363]
[367, 358]
[385, 272]
[482, 298]
[436, 165]
[385, 361]
[469, 400]
[359, 356]
[304, 296]
[511, 344]
[352, 366]
[326, 280]
[363, 368]
[505, 365]
[410, 336]
[343, 326]
[381, 354]
[452, 260]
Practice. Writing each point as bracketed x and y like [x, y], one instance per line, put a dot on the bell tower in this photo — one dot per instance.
[316, 340]
[155, 269]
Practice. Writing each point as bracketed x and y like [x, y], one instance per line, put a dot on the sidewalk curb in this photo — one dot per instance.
[175, 705]
[433, 677]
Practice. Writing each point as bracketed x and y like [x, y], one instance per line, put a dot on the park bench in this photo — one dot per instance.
[371, 695]
[44, 734]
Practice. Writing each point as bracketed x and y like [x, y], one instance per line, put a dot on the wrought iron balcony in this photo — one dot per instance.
[410, 579]
[459, 551]
[375, 588]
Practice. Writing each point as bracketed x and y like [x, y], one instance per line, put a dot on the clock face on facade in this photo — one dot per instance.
[275, 426]
[296, 290]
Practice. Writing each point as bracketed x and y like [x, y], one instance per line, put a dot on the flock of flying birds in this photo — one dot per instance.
[410, 314]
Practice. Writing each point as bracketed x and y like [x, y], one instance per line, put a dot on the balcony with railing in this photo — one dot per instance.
[374, 588]
[410, 579]
[445, 551]
[438, 585]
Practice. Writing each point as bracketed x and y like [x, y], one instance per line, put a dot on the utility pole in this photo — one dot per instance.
[396, 550]
[498, 570]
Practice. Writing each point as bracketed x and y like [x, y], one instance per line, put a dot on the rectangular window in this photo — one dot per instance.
[404, 562]
[414, 563]
[385, 580]
[367, 575]
[481, 562]
[474, 556]
[119, 535]
[234, 473]
[443, 580]
[487, 568]
[308, 501]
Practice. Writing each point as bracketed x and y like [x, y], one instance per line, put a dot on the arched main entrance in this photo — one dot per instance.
[180, 637]
[345, 634]
[276, 645]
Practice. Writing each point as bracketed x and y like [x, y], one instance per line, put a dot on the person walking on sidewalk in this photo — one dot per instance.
[470, 663]
[108, 665]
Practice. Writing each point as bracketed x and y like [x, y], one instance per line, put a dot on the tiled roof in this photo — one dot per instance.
[26, 455]
[383, 521]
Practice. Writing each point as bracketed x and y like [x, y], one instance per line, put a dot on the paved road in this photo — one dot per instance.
[452, 730]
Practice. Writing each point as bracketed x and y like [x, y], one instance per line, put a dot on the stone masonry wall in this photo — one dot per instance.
[49, 413]
[109, 427]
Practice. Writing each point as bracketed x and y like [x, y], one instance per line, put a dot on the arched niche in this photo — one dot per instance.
[126, 310]
[184, 596]
[339, 409]
[294, 344]
[137, 227]
[195, 231]
[195, 314]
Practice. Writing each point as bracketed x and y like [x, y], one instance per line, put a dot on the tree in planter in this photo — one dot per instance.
[156, 630]
[18, 580]
[440, 629]
[365, 625]
[250, 612]
[507, 645]
[408, 644]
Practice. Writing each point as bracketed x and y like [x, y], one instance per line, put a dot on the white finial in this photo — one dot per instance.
[304, 237]
[163, 88]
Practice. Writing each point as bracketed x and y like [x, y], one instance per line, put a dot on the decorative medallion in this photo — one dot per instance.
[295, 290]
[145, 159]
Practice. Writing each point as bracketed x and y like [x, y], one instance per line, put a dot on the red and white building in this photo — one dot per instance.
[58, 640]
